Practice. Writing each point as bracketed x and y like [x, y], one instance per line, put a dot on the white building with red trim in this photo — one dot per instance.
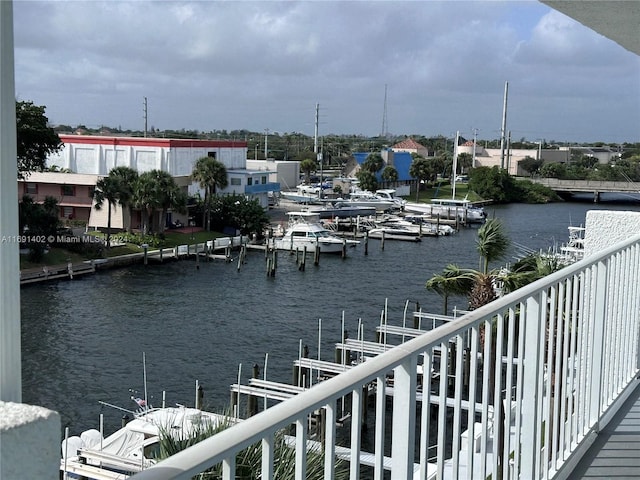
[94, 156]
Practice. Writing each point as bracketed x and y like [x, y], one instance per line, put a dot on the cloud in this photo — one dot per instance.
[255, 65]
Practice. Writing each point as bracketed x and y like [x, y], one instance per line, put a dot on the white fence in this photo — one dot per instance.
[559, 354]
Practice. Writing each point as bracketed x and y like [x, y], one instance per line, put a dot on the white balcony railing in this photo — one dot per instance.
[539, 369]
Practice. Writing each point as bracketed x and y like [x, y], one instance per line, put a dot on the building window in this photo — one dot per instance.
[236, 181]
[211, 154]
[67, 212]
[249, 181]
[68, 190]
[31, 188]
[264, 180]
[92, 191]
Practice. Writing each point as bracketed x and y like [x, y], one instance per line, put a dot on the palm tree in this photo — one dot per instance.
[492, 243]
[211, 174]
[307, 166]
[128, 178]
[108, 189]
[453, 280]
[147, 198]
[389, 174]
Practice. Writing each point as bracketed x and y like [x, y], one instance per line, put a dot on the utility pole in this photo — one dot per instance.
[385, 128]
[266, 140]
[315, 135]
[144, 110]
[503, 130]
[455, 165]
[473, 155]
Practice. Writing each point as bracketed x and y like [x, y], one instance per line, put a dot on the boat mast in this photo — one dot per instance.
[454, 168]
[504, 124]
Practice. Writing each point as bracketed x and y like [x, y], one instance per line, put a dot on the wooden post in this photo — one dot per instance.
[366, 242]
[197, 258]
[252, 401]
[145, 246]
[316, 255]
[382, 241]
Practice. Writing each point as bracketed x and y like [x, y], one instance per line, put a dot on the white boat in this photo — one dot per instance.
[135, 446]
[303, 194]
[452, 208]
[390, 194]
[304, 231]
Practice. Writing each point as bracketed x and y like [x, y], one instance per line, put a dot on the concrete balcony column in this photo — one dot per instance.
[10, 368]
[29, 442]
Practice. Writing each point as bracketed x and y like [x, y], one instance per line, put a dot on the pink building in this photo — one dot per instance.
[74, 192]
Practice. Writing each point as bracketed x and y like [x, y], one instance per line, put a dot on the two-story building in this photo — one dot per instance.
[92, 157]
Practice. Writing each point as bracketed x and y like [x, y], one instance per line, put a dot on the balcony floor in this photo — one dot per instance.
[616, 452]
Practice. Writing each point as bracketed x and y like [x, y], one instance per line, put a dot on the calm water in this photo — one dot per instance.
[83, 340]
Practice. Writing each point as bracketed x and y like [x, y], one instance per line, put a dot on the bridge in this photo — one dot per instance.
[569, 187]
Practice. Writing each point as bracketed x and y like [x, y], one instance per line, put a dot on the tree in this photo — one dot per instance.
[127, 177]
[553, 170]
[389, 174]
[422, 170]
[156, 190]
[108, 189]
[307, 166]
[530, 165]
[453, 280]
[373, 163]
[465, 161]
[367, 180]
[37, 221]
[211, 174]
[493, 183]
[35, 139]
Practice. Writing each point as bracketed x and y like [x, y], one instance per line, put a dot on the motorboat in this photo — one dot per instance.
[304, 231]
[390, 194]
[136, 445]
[342, 211]
[461, 209]
[303, 194]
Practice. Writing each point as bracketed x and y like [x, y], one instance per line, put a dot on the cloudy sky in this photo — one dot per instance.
[213, 65]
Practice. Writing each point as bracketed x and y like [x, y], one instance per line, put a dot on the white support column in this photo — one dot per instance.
[530, 391]
[404, 419]
[10, 374]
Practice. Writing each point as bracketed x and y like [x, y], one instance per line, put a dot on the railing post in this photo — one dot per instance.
[531, 391]
[599, 291]
[404, 417]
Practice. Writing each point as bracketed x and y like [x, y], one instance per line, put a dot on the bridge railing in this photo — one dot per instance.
[530, 377]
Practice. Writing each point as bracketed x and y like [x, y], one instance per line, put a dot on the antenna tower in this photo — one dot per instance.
[385, 128]
[144, 107]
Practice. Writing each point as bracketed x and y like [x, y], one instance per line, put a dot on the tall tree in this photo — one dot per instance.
[389, 174]
[453, 280]
[36, 140]
[307, 166]
[108, 189]
[422, 170]
[373, 163]
[211, 174]
[127, 177]
[157, 190]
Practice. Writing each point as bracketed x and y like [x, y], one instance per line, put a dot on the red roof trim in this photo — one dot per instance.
[151, 142]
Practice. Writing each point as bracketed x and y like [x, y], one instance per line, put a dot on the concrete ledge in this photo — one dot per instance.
[29, 442]
[604, 228]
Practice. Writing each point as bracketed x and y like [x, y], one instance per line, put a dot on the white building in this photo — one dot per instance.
[97, 155]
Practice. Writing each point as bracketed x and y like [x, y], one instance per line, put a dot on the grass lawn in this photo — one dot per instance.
[59, 256]
[445, 191]
[55, 256]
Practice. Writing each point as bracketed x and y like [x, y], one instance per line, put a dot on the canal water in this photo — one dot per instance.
[83, 341]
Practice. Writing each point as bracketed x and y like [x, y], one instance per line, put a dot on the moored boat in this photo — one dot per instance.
[304, 231]
[461, 209]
